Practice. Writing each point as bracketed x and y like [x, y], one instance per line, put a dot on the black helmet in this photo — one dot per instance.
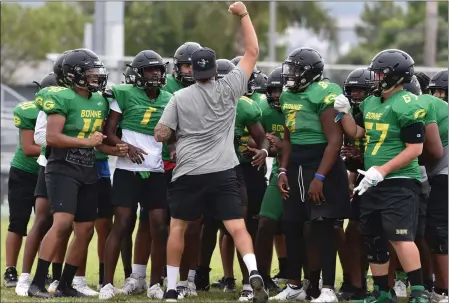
[261, 82]
[129, 76]
[57, 68]
[360, 78]
[439, 81]
[396, 66]
[413, 87]
[48, 80]
[183, 56]
[82, 64]
[148, 59]
[274, 81]
[423, 80]
[303, 66]
[224, 67]
[251, 81]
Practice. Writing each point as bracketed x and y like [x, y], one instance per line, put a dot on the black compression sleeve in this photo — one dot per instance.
[413, 133]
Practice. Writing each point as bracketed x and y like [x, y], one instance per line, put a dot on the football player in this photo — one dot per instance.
[393, 123]
[261, 84]
[22, 181]
[75, 116]
[138, 177]
[312, 177]
[438, 85]
[357, 87]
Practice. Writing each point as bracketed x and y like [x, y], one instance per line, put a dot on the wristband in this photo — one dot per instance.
[320, 176]
[283, 169]
[243, 15]
[265, 151]
[282, 172]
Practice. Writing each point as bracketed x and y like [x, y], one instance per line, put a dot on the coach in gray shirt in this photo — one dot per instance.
[202, 117]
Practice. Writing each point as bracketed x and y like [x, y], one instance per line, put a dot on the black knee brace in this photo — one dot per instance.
[376, 249]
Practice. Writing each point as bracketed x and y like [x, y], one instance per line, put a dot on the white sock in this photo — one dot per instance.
[172, 275]
[139, 269]
[191, 276]
[182, 283]
[24, 276]
[79, 278]
[247, 287]
[250, 262]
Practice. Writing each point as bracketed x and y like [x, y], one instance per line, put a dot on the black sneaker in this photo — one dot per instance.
[68, 291]
[349, 293]
[48, 280]
[171, 296]
[270, 286]
[219, 283]
[202, 279]
[38, 292]
[260, 295]
[229, 285]
[10, 277]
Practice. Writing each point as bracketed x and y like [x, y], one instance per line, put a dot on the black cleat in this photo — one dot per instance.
[171, 296]
[10, 277]
[202, 279]
[38, 292]
[259, 292]
[219, 283]
[68, 291]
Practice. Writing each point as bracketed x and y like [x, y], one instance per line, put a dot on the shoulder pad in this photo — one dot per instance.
[108, 93]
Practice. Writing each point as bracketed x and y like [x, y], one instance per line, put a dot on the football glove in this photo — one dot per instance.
[371, 178]
[341, 104]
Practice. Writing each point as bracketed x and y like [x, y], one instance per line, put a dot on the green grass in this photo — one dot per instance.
[9, 295]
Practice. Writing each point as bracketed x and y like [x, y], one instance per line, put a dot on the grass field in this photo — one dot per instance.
[9, 295]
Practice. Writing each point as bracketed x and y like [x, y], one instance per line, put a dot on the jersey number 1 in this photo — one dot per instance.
[86, 127]
[147, 115]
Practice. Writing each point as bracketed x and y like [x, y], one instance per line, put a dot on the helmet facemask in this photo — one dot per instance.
[274, 96]
[148, 77]
[185, 77]
[298, 77]
[92, 79]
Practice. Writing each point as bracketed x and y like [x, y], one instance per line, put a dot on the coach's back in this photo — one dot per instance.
[205, 115]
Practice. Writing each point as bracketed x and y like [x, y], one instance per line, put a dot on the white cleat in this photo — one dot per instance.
[108, 291]
[81, 286]
[437, 298]
[52, 287]
[246, 295]
[192, 289]
[401, 289]
[327, 296]
[134, 284]
[155, 292]
[295, 293]
[22, 286]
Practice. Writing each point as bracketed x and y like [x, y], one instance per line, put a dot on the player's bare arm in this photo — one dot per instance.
[162, 133]
[29, 147]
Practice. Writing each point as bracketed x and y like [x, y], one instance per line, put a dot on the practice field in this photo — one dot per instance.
[9, 295]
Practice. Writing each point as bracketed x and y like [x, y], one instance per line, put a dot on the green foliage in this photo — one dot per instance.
[385, 25]
[29, 33]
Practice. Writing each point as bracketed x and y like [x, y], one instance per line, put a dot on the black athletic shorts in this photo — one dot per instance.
[105, 210]
[214, 194]
[256, 184]
[335, 190]
[129, 189]
[355, 208]
[437, 209]
[21, 185]
[41, 186]
[422, 212]
[391, 209]
[68, 195]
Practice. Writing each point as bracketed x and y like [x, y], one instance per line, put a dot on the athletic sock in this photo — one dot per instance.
[56, 269]
[101, 274]
[41, 273]
[381, 282]
[67, 276]
[250, 262]
[140, 269]
[172, 275]
[191, 275]
[415, 277]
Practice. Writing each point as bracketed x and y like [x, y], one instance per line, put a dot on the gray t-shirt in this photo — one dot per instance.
[203, 117]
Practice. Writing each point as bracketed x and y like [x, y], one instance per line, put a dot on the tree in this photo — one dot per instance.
[164, 26]
[385, 25]
[29, 33]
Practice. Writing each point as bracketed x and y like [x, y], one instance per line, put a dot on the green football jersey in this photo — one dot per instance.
[83, 116]
[436, 113]
[383, 123]
[139, 113]
[25, 115]
[302, 111]
[248, 113]
[172, 85]
[272, 122]
[258, 97]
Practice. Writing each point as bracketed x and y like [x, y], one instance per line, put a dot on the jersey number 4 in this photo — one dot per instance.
[383, 128]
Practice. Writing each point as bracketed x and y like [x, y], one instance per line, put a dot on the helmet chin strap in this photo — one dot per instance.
[386, 91]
